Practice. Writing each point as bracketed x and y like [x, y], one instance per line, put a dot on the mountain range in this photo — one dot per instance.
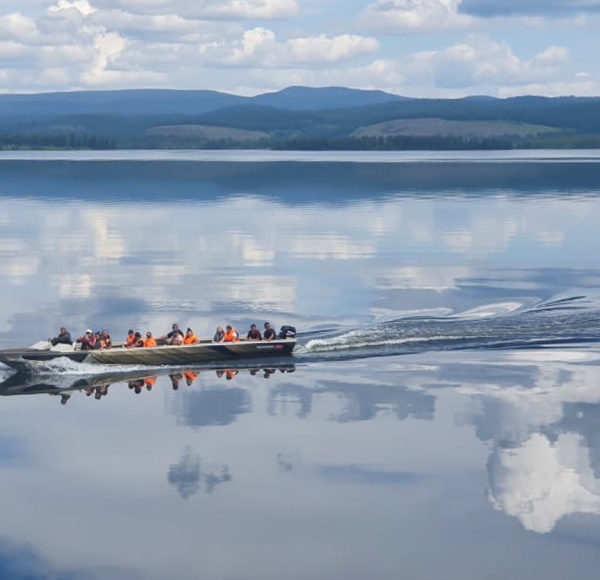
[295, 117]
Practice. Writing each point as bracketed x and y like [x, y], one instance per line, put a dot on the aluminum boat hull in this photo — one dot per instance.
[25, 359]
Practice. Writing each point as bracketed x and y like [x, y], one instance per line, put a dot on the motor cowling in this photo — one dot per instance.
[287, 331]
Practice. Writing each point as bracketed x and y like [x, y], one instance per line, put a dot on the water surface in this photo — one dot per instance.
[439, 418]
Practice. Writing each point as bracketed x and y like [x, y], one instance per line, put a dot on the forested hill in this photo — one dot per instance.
[294, 118]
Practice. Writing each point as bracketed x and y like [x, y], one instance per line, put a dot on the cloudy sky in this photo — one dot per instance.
[429, 48]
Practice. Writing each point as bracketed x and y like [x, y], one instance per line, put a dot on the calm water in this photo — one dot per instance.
[440, 419]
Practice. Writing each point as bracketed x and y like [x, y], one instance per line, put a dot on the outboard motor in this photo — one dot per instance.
[287, 332]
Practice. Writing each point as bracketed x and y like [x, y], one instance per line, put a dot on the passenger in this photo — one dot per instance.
[130, 338]
[88, 341]
[64, 337]
[174, 337]
[150, 382]
[269, 333]
[231, 334]
[219, 335]
[230, 373]
[149, 341]
[137, 341]
[190, 337]
[104, 340]
[253, 333]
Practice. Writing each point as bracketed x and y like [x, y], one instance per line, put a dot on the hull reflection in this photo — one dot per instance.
[22, 383]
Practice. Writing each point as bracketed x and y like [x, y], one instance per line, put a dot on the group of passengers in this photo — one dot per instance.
[175, 337]
[101, 340]
[89, 341]
[230, 334]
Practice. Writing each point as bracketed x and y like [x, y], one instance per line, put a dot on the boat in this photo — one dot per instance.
[206, 351]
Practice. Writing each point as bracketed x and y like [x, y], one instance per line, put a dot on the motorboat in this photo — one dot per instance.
[206, 351]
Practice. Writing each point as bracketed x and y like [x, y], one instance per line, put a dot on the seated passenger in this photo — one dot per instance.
[190, 337]
[219, 335]
[174, 337]
[63, 337]
[104, 340]
[149, 341]
[231, 334]
[88, 340]
[253, 333]
[137, 341]
[269, 333]
[130, 338]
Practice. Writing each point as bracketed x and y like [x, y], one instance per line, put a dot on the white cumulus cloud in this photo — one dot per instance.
[327, 48]
[416, 15]
[226, 9]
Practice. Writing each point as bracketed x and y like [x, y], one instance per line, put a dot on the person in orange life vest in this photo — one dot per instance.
[149, 341]
[231, 334]
[136, 342]
[230, 373]
[150, 382]
[130, 340]
[190, 377]
[190, 337]
[253, 333]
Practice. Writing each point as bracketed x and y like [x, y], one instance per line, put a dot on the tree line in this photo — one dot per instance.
[364, 143]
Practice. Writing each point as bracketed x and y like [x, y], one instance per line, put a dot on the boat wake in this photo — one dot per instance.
[573, 320]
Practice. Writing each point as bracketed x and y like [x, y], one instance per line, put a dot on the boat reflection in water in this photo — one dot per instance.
[97, 385]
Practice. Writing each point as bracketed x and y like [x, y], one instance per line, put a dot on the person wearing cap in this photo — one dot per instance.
[253, 333]
[269, 333]
[88, 340]
[190, 337]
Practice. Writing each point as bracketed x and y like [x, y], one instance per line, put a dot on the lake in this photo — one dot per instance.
[440, 417]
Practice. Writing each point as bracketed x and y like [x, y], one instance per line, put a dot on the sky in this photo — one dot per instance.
[416, 48]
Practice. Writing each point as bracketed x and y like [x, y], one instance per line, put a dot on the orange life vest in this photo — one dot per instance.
[190, 339]
[130, 340]
[231, 335]
[149, 342]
